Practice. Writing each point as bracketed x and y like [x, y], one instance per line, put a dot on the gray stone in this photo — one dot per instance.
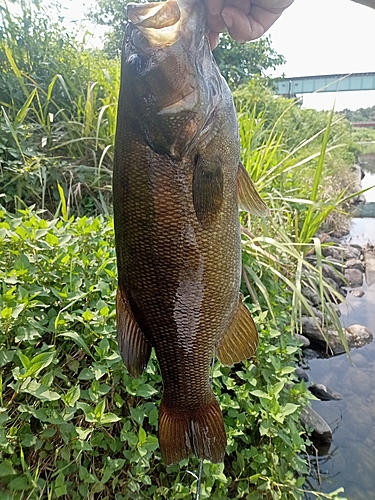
[357, 292]
[330, 251]
[333, 285]
[311, 296]
[336, 263]
[354, 277]
[312, 310]
[350, 252]
[304, 341]
[301, 374]
[309, 354]
[312, 420]
[329, 271]
[324, 393]
[355, 264]
[358, 335]
[310, 325]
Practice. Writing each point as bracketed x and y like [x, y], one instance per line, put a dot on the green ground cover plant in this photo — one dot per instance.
[73, 422]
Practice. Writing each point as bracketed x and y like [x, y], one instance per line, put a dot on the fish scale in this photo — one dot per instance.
[177, 185]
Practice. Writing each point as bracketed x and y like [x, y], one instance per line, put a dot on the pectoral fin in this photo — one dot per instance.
[248, 197]
[208, 185]
[241, 339]
[134, 348]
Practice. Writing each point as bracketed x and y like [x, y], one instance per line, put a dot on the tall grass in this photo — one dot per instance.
[293, 184]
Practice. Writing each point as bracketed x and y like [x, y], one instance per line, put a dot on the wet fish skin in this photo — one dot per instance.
[177, 230]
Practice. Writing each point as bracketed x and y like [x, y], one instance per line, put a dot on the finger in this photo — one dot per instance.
[241, 27]
[214, 20]
[264, 17]
[244, 28]
[214, 7]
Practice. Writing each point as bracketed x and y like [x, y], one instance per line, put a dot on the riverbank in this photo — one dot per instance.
[346, 459]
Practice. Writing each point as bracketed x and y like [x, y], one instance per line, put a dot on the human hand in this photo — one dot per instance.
[244, 19]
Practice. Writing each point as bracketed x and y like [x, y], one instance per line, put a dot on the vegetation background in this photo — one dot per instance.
[73, 424]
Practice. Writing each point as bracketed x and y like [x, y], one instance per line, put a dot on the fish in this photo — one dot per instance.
[177, 187]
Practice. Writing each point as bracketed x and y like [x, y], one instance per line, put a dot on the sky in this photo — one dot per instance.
[319, 37]
[316, 37]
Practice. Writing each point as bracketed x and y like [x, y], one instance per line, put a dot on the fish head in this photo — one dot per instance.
[168, 71]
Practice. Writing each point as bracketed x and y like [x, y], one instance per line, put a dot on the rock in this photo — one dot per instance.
[369, 255]
[336, 263]
[301, 374]
[350, 252]
[309, 354]
[330, 251]
[312, 420]
[311, 296]
[355, 264]
[330, 272]
[310, 325]
[334, 285]
[324, 393]
[316, 312]
[301, 339]
[354, 277]
[358, 335]
[357, 293]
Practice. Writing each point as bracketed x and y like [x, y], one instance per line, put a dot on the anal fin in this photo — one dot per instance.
[199, 431]
[241, 339]
[134, 348]
[248, 197]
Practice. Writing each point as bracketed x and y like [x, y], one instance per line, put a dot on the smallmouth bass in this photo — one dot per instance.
[177, 187]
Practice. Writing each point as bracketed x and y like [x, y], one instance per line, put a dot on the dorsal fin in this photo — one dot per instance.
[248, 197]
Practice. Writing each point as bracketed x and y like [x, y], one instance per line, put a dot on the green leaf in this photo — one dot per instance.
[78, 340]
[109, 418]
[260, 394]
[289, 408]
[142, 436]
[6, 357]
[72, 396]
[6, 468]
[63, 203]
[99, 409]
[37, 363]
[145, 390]
[40, 391]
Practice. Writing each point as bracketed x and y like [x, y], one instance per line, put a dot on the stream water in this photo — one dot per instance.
[350, 459]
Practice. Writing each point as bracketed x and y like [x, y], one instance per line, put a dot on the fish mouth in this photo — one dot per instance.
[159, 22]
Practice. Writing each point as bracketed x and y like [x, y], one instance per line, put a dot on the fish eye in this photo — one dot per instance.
[137, 63]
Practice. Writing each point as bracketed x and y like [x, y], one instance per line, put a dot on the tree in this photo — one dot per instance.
[239, 62]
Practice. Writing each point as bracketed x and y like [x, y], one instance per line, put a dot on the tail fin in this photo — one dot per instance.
[198, 431]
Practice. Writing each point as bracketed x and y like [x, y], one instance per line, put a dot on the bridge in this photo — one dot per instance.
[290, 87]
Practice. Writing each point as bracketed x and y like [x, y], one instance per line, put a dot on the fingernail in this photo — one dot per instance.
[228, 20]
